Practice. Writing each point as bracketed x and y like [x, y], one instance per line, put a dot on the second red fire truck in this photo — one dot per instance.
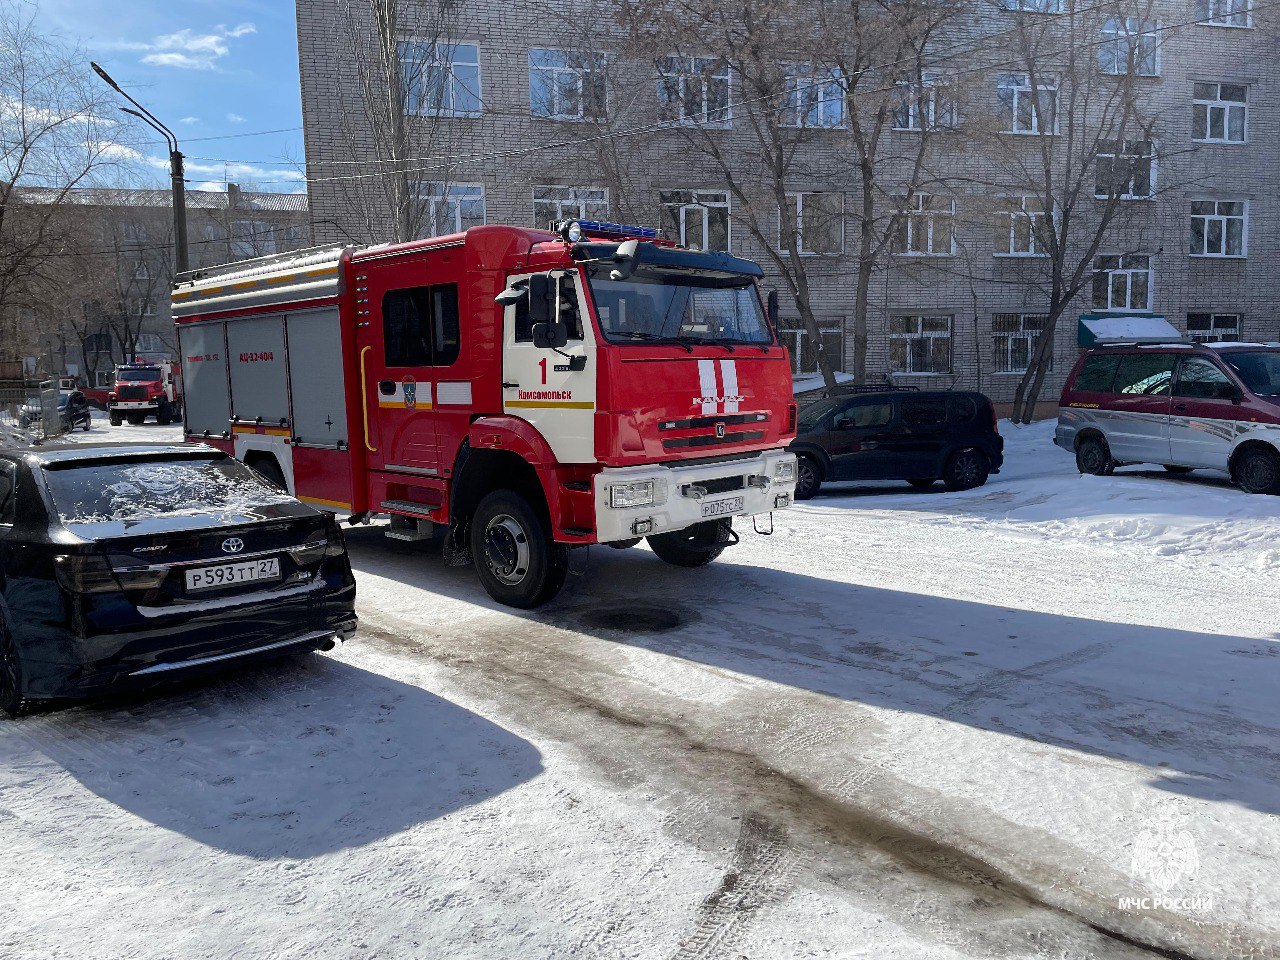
[527, 390]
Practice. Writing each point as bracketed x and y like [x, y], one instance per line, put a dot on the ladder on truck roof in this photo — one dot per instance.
[279, 278]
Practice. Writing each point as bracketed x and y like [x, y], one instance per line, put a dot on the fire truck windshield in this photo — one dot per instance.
[678, 309]
[137, 375]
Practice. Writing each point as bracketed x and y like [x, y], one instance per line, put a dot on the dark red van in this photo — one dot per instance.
[1184, 406]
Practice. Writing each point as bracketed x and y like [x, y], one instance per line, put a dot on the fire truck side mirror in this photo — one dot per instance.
[550, 336]
[542, 299]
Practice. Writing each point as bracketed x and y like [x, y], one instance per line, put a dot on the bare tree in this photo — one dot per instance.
[407, 87]
[57, 133]
[1074, 146]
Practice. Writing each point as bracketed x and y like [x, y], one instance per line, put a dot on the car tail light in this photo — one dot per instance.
[143, 578]
[791, 418]
[85, 573]
[995, 421]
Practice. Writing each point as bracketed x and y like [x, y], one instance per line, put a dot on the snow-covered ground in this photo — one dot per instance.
[916, 725]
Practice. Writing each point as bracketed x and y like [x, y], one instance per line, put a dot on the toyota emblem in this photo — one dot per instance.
[720, 429]
[232, 545]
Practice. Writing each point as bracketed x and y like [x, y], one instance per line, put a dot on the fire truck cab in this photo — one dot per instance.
[528, 391]
[145, 390]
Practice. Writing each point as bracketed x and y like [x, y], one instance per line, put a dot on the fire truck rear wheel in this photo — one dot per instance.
[164, 416]
[514, 555]
[116, 419]
[695, 546]
[267, 468]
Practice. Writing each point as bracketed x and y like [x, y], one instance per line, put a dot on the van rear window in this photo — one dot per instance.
[1097, 374]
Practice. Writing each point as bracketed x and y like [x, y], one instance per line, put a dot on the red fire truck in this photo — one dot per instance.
[145, 389]
[528, 390]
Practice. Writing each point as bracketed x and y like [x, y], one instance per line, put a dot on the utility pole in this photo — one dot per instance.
[177, 175]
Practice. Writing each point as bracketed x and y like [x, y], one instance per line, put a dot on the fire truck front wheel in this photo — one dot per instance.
[116, 419]
[518, 562]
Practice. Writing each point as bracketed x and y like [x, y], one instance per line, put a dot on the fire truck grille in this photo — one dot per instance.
[729, 419]
[747, 436]
[131, 393]
[717, 485]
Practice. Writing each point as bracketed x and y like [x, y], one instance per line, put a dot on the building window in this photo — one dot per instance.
[1026, 107]
[141, 271]
[1214, 327]
[804, 359]
[454, 207]
[1129, 46]
[142, 307]
[1225, 13]
[553, 204]
[927, 227]
[1219, 112]
[149, 343]
[819, 219]
[1219, 228]
[295, 233]
[441, 79]
[920, 344]
[252, 238]
[1032, 6]
[567, 85]
[694, 90]
[1125, 169]
[1013, 337]
[1122, 281]
[1020, 227]
[813, 96]
[698, 219]
[925, 104]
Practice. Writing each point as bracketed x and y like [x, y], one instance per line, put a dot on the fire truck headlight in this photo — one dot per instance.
[785, 472]
[637, 493]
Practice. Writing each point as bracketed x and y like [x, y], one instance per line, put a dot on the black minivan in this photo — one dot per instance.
[920, 437]
[122, 564]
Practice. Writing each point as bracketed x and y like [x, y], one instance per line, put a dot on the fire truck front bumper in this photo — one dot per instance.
[133, 406]
[659, 498]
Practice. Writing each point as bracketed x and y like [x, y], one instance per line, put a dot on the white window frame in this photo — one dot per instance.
[1222, 219]
[1122, 149]
[1125, 36]
[1031, 6]
[1014, 209]
[912, 222]
[927, 104]
[141, 270]
[1234, 335]
[796, 198]
[677, 74]
[417, 101]
[920, 333]
[1225, 107]
[799, 80]
[1129, 273]
[572, 203]
[1023, 89]
[446, 200]
[792, 335]
[585, 75]
[1214, 18]
[1022, 334]
[699, 202]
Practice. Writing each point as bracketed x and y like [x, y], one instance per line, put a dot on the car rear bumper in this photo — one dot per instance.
[685, 495]
[186, 642]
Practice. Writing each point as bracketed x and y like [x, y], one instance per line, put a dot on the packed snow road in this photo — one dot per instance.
[1033, 720]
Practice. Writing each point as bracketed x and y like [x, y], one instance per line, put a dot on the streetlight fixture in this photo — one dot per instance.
[176, 174]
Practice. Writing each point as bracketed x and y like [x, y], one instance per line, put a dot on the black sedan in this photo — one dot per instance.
[917, 436]
[122, 564]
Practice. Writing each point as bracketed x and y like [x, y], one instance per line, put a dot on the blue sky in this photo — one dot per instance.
[208, 69]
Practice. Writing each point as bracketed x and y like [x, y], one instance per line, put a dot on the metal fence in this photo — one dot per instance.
[29, 413]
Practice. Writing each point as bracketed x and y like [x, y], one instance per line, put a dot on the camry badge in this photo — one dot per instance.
[232, 545]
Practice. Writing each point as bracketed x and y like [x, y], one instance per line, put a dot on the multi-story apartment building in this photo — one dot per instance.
[105, 297]
[522, 114]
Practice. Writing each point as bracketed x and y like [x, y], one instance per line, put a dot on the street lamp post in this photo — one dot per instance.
[176, 172]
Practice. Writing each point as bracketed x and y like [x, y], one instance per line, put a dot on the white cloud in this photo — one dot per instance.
[188, 50]
[277, 179]
[189, 120]
[235, 118]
